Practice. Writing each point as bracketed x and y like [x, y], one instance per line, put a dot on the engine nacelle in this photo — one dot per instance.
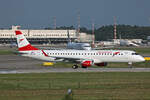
[86, 63]
[101, 64]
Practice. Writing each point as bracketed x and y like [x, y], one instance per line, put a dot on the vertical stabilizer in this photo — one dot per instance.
[23, 44]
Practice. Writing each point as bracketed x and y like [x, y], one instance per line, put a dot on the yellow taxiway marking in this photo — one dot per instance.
[48, 63]
[147, 58]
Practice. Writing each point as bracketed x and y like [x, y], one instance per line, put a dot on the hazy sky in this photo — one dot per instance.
[40, 13]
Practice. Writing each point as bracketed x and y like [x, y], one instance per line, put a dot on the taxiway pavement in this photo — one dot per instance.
[19, 64]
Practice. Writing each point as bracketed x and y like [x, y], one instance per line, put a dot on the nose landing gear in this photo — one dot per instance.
[75, 66]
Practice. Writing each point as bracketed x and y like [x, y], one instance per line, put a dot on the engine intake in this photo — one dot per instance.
[87, 63]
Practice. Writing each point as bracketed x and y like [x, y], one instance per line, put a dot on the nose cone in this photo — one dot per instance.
[138, 58]
[141, 59]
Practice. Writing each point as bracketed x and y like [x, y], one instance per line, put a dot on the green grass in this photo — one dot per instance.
[6, 52]
[85, 86]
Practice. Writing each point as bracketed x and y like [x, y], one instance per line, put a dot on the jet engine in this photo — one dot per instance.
[86, 63]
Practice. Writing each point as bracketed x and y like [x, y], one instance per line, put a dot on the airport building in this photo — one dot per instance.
[42, 36]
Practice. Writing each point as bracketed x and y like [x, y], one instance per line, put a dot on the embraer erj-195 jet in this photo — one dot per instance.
[86, 58]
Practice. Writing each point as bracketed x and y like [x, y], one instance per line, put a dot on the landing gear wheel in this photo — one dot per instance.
[84, 67]
[75, 66]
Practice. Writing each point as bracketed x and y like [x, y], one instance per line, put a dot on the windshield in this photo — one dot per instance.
[135, 54]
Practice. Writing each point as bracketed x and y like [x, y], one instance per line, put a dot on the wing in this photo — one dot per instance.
[71, 59]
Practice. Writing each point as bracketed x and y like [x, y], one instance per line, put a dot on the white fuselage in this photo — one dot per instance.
[97, 56]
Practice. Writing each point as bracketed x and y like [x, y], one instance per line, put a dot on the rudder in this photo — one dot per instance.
[23, 44]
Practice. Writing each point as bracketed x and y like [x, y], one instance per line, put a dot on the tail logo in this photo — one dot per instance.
[21, 40]
[23, 44]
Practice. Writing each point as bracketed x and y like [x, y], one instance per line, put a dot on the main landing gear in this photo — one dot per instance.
[130, 64]
[75, 66]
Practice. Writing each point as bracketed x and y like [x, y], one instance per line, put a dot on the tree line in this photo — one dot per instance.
[123, 31]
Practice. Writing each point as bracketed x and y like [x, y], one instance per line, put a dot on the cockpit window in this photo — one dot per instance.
[135, 54]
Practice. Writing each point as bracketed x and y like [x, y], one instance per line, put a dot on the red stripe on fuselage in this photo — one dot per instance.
[27, 47]
[44, 53]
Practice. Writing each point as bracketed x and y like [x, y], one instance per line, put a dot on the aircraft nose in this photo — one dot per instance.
[142, 59]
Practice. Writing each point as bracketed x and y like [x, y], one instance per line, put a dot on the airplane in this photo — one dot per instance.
[77, 46]
[85, 58]
[128, 43]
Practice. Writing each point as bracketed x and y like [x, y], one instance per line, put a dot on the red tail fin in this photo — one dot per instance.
[27, 47]
[23, 43]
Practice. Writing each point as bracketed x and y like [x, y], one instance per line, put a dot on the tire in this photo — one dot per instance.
[84, 67]
[74, 66]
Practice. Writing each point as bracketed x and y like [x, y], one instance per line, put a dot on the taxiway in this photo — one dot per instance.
[19, 64]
